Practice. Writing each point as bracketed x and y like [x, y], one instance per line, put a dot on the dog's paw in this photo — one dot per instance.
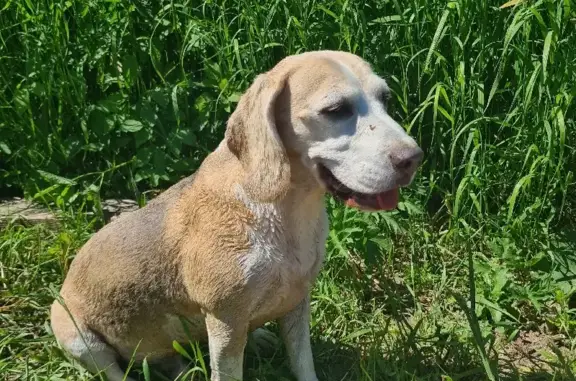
[264, 341]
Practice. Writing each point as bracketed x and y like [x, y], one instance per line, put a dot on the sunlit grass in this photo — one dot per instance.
[116, 98]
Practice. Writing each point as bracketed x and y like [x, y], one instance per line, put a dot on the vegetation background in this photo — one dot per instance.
[473, 277]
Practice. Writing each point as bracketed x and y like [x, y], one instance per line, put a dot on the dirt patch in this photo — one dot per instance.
[17, 210]
[21, 211]
[534, 352]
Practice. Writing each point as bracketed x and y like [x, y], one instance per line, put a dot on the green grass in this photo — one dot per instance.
[120, 98]
[387, 317]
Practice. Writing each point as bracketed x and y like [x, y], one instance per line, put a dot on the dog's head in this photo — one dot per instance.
[328, 109]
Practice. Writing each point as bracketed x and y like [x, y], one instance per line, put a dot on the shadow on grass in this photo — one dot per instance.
[432, 358]
[447, 360]
[398, 350]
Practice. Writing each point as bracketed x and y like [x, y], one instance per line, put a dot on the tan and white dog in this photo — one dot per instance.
[240, 242]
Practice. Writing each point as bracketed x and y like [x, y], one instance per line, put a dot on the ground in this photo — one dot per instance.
[377, 324]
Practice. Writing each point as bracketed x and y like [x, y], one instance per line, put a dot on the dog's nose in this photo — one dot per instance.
[406, 158]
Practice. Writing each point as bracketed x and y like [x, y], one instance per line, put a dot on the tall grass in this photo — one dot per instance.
[115, 98]
[488, 91]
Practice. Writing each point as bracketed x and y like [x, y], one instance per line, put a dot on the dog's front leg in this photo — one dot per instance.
[295, 331]
[226, 341]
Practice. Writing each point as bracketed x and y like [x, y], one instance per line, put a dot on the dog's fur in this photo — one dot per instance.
[240, 242]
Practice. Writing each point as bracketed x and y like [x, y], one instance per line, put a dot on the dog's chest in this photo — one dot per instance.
[287, 250]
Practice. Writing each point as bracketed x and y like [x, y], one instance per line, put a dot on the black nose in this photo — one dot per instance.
[406, 158]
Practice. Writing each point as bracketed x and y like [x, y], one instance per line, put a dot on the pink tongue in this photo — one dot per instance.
[382, 201]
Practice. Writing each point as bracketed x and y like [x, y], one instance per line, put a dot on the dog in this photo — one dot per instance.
[241, 241]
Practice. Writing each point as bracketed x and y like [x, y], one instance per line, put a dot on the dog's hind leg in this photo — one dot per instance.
[85, 346]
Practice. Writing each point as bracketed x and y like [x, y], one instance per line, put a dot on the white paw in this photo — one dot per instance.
[265, 340]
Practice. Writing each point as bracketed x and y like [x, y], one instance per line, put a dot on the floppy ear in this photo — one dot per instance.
[252, 136]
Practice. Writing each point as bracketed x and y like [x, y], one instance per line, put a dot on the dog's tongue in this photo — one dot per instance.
[382, 201]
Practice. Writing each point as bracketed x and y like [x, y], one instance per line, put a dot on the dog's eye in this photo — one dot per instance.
[339, 110]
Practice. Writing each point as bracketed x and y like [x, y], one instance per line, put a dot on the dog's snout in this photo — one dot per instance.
[406, 158]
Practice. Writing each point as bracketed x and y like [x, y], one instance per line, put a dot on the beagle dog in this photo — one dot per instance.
[240, 242]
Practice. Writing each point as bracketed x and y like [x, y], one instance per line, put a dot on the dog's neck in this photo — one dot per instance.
[305, 190]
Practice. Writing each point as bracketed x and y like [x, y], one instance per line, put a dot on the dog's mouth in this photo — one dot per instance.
[387, 200]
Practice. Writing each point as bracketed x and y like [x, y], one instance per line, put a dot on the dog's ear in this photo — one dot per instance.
[253, 137]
